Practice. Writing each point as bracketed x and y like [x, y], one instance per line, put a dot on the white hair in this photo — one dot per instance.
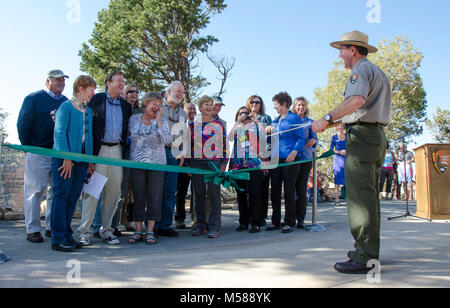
[173, 84]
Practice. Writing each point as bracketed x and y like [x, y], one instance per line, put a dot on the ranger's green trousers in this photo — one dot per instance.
[366, 149]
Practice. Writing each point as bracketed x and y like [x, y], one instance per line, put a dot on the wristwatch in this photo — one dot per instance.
[328, 118]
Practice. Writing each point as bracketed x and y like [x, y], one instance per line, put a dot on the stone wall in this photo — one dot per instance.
[11, 184]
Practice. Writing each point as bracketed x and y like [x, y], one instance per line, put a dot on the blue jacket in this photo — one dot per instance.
[69, 129]
[35, 124]
[309, 134]
[289, 141]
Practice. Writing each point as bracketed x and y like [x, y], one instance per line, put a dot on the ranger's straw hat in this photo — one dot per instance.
[355, 38]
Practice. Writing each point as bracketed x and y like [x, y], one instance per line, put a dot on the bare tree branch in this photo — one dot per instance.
[224, 65]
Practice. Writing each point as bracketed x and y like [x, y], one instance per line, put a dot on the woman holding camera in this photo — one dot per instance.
[246, 135]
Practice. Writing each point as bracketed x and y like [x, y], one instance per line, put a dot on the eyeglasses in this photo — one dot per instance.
[244, 112]
[133, 92]
[255, 103]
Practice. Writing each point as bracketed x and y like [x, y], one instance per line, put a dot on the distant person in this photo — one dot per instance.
[35, 127]
[255, 105]
[132, 96]
[338, 145]
[184, 180]
[125, 206]
[406, 171]
[173, 111]
[218, 104]
[387, 173]
[110, 132]
[150, 134]
[300, 108]
[73, 133]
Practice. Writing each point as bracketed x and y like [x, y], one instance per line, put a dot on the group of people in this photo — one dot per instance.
[117, 124]
[108, 126]
[398, 170]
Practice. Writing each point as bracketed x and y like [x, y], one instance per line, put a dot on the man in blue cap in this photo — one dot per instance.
[35, 127]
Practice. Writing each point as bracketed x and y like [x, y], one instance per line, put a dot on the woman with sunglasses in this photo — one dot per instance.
[73, 133]
[246, 134]
[132, 96]
[149, 134]
[124, 212]
[255, 105]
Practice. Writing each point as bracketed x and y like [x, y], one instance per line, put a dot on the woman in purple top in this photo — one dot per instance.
[246, 135]
[339, 148]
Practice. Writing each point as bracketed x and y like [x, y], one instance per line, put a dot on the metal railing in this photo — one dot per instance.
[314, 226]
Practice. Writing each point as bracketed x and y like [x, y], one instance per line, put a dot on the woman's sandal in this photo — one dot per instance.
[150, 238]
[136, 237]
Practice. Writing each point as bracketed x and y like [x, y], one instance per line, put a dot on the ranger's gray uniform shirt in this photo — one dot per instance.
[369, 81]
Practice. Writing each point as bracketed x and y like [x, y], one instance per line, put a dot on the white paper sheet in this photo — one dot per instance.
[95, 186]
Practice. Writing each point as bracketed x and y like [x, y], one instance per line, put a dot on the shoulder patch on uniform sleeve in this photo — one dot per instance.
[354, 78]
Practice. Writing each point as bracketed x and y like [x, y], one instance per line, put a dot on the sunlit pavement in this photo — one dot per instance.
[415, 253]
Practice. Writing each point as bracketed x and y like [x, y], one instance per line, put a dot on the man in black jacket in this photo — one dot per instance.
[110, 132]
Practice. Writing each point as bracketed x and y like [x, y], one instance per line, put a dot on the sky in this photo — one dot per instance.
[277, 45]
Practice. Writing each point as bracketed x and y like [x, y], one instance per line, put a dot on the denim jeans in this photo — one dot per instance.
[169, 194]
[66, 193]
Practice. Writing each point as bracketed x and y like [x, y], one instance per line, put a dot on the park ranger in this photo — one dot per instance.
[365, 111]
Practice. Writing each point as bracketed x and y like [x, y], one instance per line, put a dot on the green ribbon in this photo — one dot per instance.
[107, 161]
[226, 179]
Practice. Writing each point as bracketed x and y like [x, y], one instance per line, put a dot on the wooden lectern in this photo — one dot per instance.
[433, 181]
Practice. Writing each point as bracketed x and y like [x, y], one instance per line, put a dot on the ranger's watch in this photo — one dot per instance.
[328, 118]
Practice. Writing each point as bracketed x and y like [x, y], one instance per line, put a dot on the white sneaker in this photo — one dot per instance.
[110, 239]
[84, 240]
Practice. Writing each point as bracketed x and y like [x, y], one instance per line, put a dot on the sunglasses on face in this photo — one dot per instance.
[244, 112]
[255, 103]
[133, 92]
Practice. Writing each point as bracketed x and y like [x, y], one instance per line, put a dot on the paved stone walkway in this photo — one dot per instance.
[415, 253]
